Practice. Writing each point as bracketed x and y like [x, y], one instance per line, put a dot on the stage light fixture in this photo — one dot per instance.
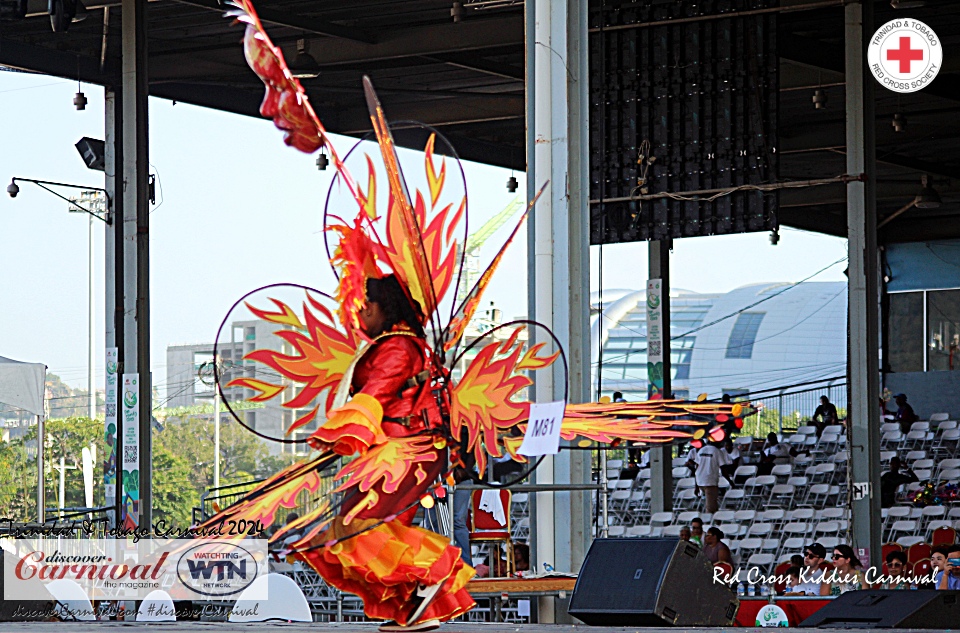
[512, 184]
[927, 198]
[456, 12]
[899, 122]
[819, 99]
[322, 161]
[304, 66]
[13, 189]
[775, 236]
[92, 151]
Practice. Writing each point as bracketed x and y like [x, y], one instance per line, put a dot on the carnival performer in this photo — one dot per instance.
[403, 573]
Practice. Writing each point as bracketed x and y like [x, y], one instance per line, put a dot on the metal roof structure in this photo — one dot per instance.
[467, 79]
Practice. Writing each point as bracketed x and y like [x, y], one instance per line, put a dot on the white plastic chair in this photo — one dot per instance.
[162, 608]
[285, 602]
[72, 602]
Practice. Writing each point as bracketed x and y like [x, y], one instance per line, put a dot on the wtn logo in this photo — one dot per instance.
[223, 568]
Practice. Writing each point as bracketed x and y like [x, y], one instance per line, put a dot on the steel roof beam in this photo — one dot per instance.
[293, 21]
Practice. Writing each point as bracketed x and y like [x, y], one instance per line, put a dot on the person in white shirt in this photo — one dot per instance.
[707, 461]
[773, 453]
[733, 454]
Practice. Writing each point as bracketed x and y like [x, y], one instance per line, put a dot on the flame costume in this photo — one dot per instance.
[387, 563]
[387, 409]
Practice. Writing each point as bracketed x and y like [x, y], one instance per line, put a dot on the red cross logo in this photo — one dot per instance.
[905, 55]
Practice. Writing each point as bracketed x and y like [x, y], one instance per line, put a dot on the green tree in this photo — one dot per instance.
[172, 501]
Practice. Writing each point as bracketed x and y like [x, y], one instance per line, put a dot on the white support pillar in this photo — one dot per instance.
[864, 289]
[559, 277]
[136, 232]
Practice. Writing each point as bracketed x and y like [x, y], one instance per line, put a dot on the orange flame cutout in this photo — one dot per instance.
[483, 400]
[388, 462]
[263, 506]
[322, 354]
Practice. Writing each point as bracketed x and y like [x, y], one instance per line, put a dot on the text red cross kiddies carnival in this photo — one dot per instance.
[905, 54]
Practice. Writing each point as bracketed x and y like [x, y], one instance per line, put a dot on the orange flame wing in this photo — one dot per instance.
[321, 355]
[388, 463]
[484, 402]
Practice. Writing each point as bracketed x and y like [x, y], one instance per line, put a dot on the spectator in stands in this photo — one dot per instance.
[893, 479]
[685, 534]
[797, 560]
[714, 547]
[706, 465]
[773, 453]
[521, 557]
[948, 578]
[896, 571]
[793, 579]
[904, 415]
[696, 531]
[825, 415]
[847, 574]
[618, 397]
[733, 454]
[811, 577]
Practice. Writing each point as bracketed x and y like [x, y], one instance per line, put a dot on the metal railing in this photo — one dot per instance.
[788, 407]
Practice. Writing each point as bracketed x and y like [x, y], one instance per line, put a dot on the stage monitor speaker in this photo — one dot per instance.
[888, 609]
[650, 582]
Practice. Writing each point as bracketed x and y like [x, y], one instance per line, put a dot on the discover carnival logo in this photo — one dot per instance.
[905, 55]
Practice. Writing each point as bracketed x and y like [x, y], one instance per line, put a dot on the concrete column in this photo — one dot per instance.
[864, 295]
[113, 248]
[559, 275]
[136, 223]
[661, 458]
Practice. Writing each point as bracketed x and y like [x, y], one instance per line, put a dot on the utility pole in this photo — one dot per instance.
[96, 202]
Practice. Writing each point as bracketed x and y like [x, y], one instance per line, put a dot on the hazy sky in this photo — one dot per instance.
[240, 210]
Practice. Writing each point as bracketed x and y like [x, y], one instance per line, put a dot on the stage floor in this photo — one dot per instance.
[352, 627]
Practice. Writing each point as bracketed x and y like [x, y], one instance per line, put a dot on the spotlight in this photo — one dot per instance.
[304, 66]
[512, 184]
[92, 151]
[456, 12]
[61, 13]
[819, 99]
[80, 101]
[13, 189]
[899, 122]
[775, 236]
[322, 161]
[927, 198]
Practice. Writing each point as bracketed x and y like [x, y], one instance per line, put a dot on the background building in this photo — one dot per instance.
[750, 339]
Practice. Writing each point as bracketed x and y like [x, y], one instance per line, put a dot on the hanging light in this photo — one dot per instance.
[512, 184]
[899, 122]
[775, 236]
[819, 99]
[927, 198]
[322, 161]
[456, 12]
[304, 66]
[79, 99]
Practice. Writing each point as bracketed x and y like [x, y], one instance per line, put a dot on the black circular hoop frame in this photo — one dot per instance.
[216, 344]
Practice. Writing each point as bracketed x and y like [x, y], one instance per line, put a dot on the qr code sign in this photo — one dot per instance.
[130, 454]
[653, 348]
[111, 410]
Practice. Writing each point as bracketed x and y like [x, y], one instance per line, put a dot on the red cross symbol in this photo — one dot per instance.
[905, 54]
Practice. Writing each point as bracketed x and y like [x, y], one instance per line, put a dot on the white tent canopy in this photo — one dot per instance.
[22, 385]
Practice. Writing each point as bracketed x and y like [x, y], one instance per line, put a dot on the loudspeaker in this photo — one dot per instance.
[887, 609]
[650, 582]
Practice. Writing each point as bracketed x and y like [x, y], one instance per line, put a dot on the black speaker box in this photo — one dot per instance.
[650, 582]
[887, 609]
